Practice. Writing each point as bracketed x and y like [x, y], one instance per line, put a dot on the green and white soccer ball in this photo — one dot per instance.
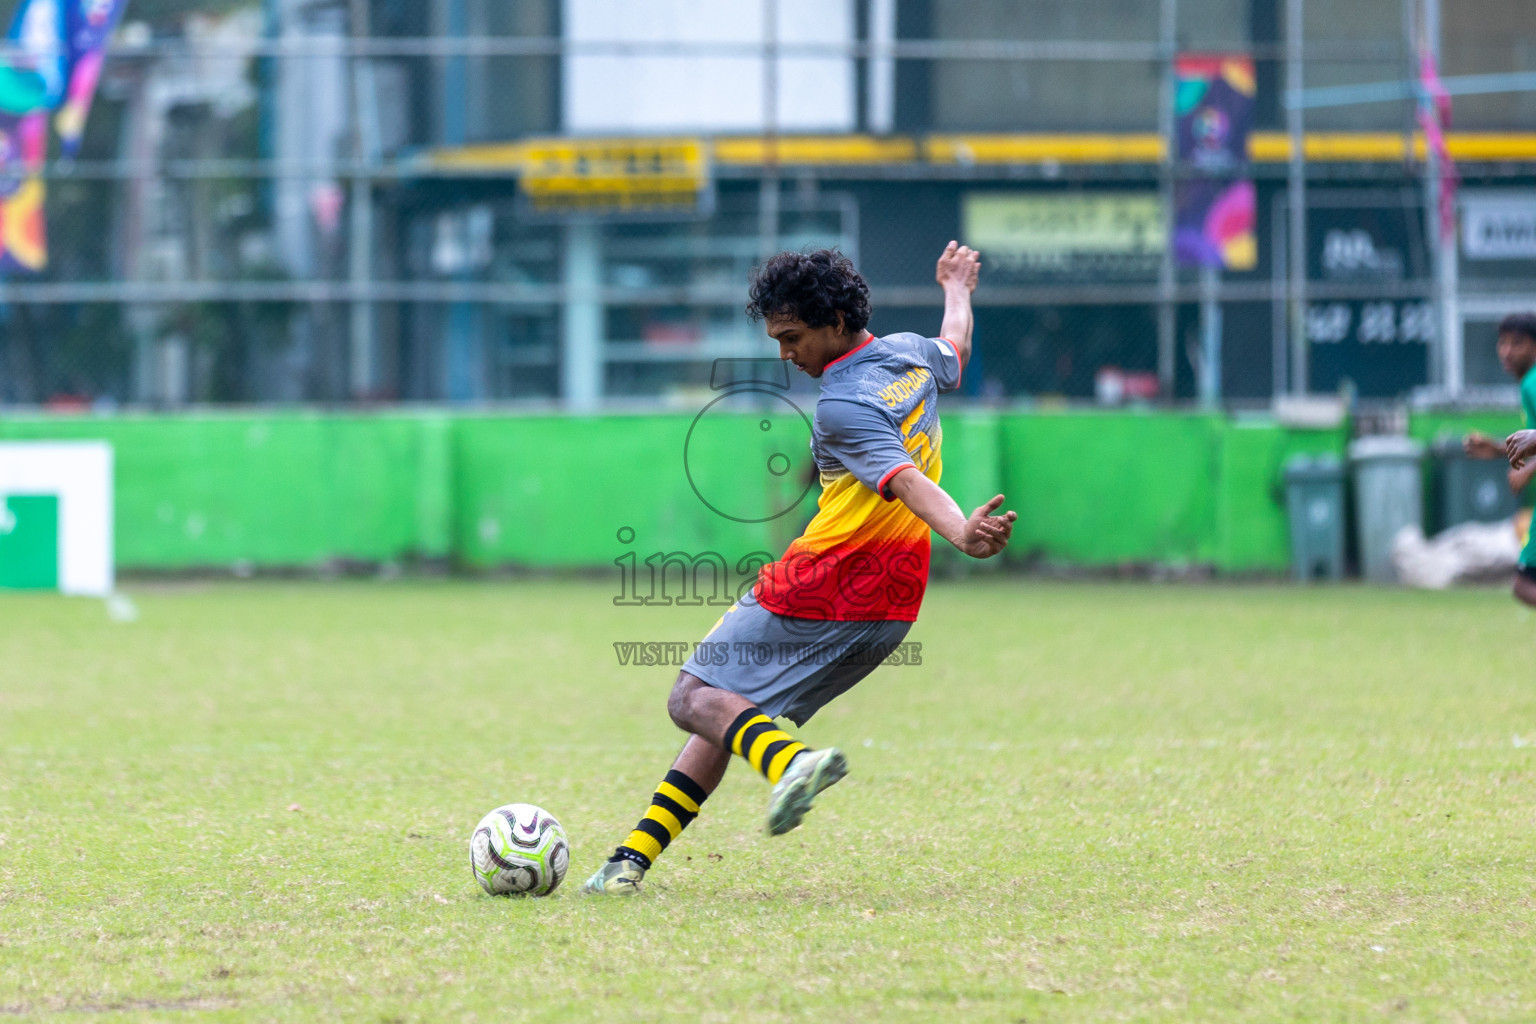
[519, 850]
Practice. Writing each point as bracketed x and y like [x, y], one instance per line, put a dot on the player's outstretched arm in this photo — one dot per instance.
[958, 271]
[1520, 447]
[1480, 446]
[981, 535]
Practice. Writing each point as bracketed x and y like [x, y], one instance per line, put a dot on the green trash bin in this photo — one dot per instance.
[1314, 500]
[1469, 490]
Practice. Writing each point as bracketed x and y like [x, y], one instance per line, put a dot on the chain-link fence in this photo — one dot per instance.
[330, 202]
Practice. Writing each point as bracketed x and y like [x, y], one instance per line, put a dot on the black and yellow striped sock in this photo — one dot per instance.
[766, 748]
[675, 803]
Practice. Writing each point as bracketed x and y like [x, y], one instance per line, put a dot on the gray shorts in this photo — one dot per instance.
[790, 667]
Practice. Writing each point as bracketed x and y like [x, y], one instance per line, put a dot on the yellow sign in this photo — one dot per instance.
[615, 176]
[1066, 233]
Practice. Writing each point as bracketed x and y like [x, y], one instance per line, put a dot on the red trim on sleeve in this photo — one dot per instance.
[880, 488]
[850, 352]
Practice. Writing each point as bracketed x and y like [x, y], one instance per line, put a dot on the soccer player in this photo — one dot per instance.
[846, 592]
[1517, 353]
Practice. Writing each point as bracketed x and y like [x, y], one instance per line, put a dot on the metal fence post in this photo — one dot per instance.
[361, 368]
[581, 321]
[1166, 320]
[1295, 27]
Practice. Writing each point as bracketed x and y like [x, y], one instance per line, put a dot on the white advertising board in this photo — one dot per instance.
[1501, 227]
[668, 82]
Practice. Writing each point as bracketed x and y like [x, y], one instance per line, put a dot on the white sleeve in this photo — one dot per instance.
[944, 361]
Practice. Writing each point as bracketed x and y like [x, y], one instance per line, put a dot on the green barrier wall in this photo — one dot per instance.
[1113, 488]
[558, 491]
[1499, 423]
[271, 489]
[297, 489]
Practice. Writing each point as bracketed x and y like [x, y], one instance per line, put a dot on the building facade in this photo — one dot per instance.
[1035, 130]
[560, 201]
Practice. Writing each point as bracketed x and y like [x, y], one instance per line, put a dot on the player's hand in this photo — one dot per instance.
[1480, 446]
[1520, 446]
[986, 534]
[960, 264]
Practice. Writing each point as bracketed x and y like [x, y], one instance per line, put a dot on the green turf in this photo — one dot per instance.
[1107, 802]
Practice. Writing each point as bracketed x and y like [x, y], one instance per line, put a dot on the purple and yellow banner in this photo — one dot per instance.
[58, 47]
[34, 76]
[23, 234]
[1214, 206]
[32, 82]
[89, 24]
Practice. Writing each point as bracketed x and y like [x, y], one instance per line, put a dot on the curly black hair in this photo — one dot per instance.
[811, 287]
[1519, 323]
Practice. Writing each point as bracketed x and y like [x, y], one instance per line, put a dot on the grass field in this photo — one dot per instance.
[1090, 803]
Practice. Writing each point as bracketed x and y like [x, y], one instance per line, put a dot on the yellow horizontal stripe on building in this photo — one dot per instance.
[1263, 147]
[1029, 149]
[528, 158]
[1269, 147]
[1275, 147]
[1468, 146]
[816, 149]
[570, 183]
[500, 156]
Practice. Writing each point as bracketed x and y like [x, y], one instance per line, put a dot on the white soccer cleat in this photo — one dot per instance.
[615, 878]
[808, 774]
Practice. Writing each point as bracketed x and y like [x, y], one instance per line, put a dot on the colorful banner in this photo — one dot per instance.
[1214, 224]
[35, 77]
[31, 83]
[23, 232]
[59, 48]
[89, 24]
[1214, 208]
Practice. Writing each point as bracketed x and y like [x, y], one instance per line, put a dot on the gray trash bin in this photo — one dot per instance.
[1389, 495]
[1314, 500]
[1469, 490]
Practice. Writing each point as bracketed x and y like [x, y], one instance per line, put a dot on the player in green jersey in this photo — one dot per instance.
[1517, 353]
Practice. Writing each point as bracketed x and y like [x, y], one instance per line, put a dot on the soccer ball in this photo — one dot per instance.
[519, 849]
